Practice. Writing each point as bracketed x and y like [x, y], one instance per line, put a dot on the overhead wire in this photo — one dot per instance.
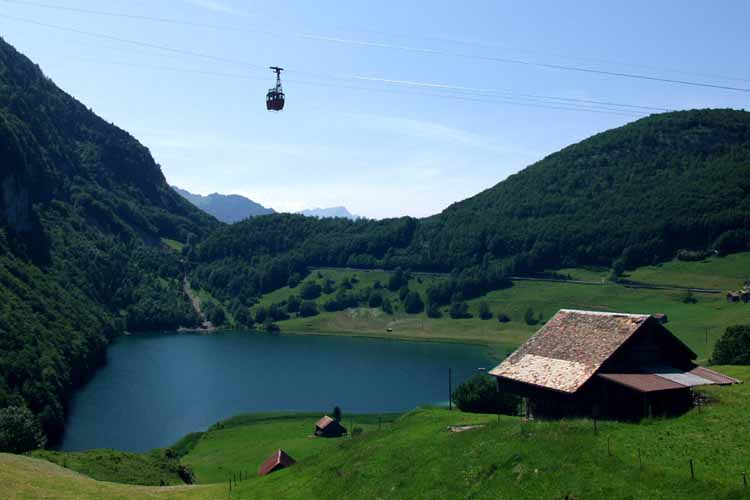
[421, 50]
[506, 95]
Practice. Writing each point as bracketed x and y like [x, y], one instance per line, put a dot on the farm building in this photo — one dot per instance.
[279, 460]
[733, 297]
[585, 363]
[745, 296]
[328, 427]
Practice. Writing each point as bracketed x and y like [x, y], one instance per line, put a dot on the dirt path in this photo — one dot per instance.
[196, 301]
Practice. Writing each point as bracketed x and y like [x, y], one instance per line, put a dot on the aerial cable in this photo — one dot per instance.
[444, 87]
[421, 50]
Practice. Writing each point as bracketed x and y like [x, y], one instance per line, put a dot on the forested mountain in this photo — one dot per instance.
[626, 197]
[330, 212]
[227, 208]
[83, 210]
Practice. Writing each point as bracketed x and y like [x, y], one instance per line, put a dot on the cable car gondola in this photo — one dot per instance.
[275, 96]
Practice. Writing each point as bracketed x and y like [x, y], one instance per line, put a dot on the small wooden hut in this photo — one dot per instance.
[279, 460]
[601, 364]
[329, 427]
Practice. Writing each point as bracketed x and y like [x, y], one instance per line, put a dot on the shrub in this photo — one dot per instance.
[484, 311]
[479, 394]
[459, 310]
[19, 430]
[413, 303]
[310, 290]
[375, 300]
[529, 318]
[503, 318]
[433, 311]
[292, 304]
[386, 306]
[733, 348]
[688, 298]
[308, 308]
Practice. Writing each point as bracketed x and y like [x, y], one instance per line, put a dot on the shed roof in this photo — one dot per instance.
[279, 460]
[324, 422]
[659, 378]
[569, 349]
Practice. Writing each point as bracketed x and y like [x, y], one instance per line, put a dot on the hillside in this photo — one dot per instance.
[417, 456]
[627, 197]
[227, 208]
[84, 210]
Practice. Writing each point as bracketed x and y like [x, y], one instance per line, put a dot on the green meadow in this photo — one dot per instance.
[699, 324]
[417, 455]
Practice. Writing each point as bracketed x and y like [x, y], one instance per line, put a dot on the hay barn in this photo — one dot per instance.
[601, 364]
[279, 460]
[328, 427]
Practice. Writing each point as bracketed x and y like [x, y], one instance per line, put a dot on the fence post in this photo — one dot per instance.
[692, 469]
[609, 446]
[450, 391]
[744, 479]
[640, 462]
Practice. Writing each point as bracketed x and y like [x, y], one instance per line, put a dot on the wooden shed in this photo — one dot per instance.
[279, 460]
[329, 427]
[601, 364]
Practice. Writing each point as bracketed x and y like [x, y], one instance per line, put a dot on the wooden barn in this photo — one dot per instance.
[600, 364]
[279, 460]
[328, 427]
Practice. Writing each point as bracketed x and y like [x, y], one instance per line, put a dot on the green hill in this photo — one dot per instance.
[83, 211]
[418, 456]
[632, 196]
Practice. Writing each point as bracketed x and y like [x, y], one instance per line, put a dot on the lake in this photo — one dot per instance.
[156, 388]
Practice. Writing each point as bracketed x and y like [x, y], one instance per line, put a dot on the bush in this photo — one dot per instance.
[386, 306]
[413, 303]
[459, 310]
[310, 290]
[484, 311]
[375, 300]
[688, 298]
[292, 304]
[479, 394]
[503, 318]
[433, 311]
[308, 308]
[529, 318]
[733, 348]
[19, 430]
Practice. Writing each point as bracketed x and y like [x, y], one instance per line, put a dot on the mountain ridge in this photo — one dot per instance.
[229, 208]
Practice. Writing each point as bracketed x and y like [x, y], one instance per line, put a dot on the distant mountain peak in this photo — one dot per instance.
[330, 212]
[227, 208]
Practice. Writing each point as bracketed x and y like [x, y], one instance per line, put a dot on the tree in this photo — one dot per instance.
[260, 315]
[529, 317]
[689, 298]
[294, 280]
[270, 326]
[310, 290]
[459, 310]
[19, 430]
[479, 394]
[376, 299]
[336, 413]
[397, 280]
[433, 311]
[484, 311]
[413, 303]
[328, 287]
[403, 292]
[503, 318]
[243, 318]
[292, 304]
[733, 348]
[308, 308]
[386, 306]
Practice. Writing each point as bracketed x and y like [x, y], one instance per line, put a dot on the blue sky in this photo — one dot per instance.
[347, 138]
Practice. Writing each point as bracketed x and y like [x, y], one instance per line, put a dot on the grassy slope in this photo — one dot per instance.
[242, 443]
[688, 321]
[150, 469]
[416, 457]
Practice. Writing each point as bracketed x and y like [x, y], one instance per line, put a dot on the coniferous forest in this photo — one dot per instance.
[85, 211]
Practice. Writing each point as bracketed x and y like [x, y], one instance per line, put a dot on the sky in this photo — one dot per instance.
[191, 86]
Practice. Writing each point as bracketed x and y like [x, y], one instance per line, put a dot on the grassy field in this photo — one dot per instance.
[416, 456]
[242, 443]
[699, 324]
[149, 469]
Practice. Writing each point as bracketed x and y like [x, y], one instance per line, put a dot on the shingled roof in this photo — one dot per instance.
[570, 349]
[279, 460]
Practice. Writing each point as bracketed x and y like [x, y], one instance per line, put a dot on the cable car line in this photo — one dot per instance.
[462, 97]
[385, 45]
[443, 87]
